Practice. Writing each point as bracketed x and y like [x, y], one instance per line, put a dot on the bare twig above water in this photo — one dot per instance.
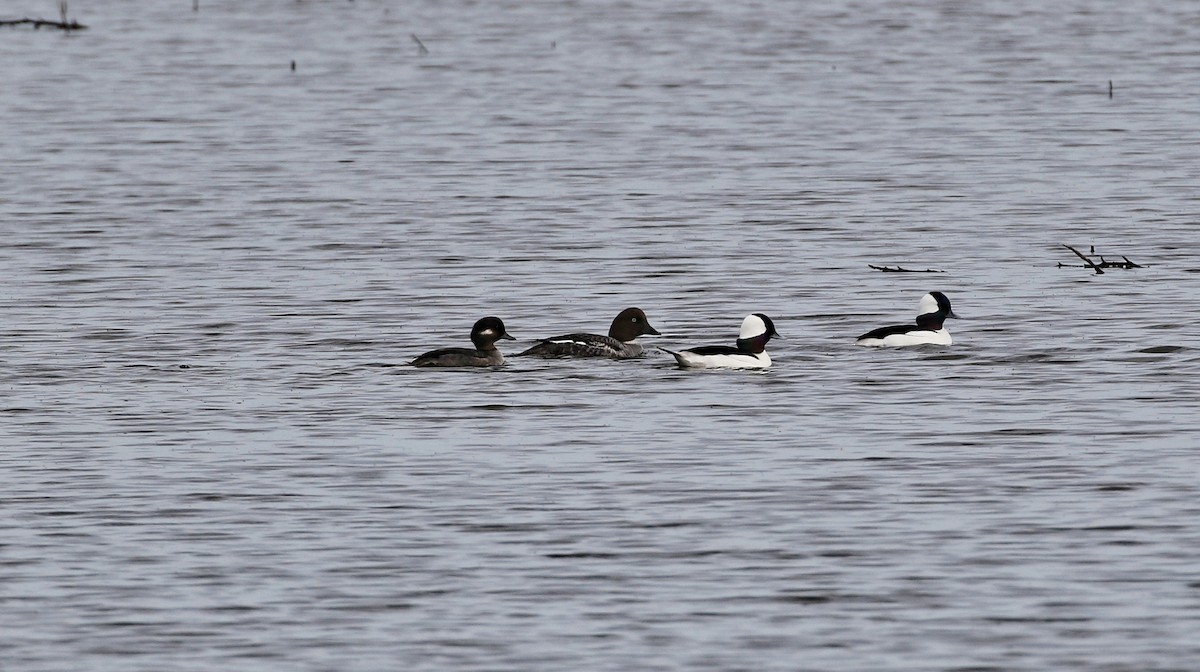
[900, 269]
[1098, 267]
[1089, 262]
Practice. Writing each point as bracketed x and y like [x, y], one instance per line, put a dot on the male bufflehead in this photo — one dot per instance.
[620, 342]
[484, 335]
[750, 352]
[931, 311]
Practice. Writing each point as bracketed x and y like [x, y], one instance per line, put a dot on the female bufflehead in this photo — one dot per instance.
[750, 352]
[933, 309]
[484, 335]
[620, 343]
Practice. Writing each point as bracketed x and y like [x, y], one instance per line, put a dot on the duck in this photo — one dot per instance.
[484, 335]
[932, 310]
[620, 343]
[749, 353]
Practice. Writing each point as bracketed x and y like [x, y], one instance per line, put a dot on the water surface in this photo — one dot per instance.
[216, 267]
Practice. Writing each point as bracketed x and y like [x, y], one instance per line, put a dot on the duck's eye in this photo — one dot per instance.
[634, 319]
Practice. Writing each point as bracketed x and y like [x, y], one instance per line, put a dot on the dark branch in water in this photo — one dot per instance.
[899, 269]
[420, 45]
[1104, 263]
[38, 23]
[1087, 261]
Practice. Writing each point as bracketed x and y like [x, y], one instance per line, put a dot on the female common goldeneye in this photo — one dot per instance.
[484, 335]
[620, 343]
[931, 311]
[750, 352]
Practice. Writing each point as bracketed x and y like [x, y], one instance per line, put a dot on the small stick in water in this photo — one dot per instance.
[420, 45]
[38, 23]
[901, 269]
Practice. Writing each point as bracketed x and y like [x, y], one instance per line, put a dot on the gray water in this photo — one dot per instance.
[215, 267]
